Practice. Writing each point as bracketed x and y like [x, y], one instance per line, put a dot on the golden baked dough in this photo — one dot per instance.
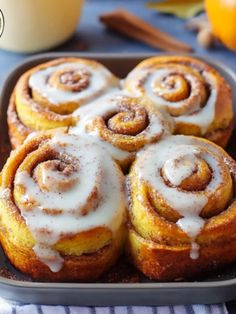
[46, 96]
[63, 194]
[122, 124]
[195, 94]
[63, 208]
[182, 217]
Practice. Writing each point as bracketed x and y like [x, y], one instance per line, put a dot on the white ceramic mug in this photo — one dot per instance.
[36, 25]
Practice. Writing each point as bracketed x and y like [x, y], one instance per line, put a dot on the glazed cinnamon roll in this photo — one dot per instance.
[182, 208]
[195, 94]
[63, 208]
[46, 96]
[122, 125]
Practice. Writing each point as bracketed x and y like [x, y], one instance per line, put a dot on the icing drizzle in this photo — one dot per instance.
[98, 82]
[143, 81]
[91, 182]
[176, 157]
[107, 105]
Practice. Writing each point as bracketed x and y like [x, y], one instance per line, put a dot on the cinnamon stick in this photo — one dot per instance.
[132, 26]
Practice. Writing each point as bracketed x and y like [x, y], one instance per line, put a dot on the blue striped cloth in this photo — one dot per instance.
[9, 308]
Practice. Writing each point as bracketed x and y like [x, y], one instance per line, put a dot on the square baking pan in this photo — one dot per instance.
[210, 288]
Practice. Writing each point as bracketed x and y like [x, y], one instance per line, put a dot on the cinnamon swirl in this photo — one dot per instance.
[46, 96]
[63, 208]
[122, 125]
[195, 94]
[182, 208]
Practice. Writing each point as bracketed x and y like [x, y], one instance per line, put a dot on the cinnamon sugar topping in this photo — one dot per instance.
[189, 96]
[72, 82]
[70, 198]
[180, 158]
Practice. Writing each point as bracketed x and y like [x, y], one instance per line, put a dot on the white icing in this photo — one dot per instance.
[98, 82]
[204, 117]
[158, 75]
[49, 257]
[102, 107]
[93, 163]
[191, 224]
[194, 253]
[97, 108]
[165, 155]
[177, 170]
[31, 135]
[49, 176]
[117, 153]
[196, 115]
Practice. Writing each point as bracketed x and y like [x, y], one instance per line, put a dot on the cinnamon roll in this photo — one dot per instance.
[182, 208]
[46, 96]
[122, 125]
[63, 208]
[195, 94]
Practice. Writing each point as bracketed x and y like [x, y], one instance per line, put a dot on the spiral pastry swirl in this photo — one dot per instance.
[46, 96]
[123, 125]
[62, 211]
[182, 208]
[195, 94]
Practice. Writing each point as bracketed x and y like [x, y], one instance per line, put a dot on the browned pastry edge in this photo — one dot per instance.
[158, 247]
[223, 107]
[26, 114]
[87, 267]
[221, 136]
[16, 129]
[165, 263]
[18, 132]
[18, 241]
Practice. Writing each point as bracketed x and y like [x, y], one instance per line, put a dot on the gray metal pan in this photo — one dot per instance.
[217, 287]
